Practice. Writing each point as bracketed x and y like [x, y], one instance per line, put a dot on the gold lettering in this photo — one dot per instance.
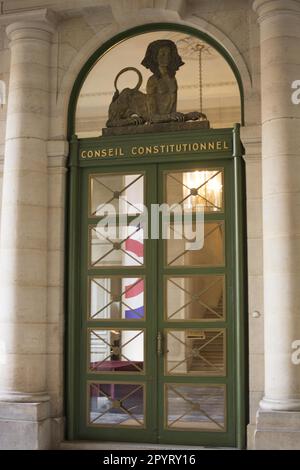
[184, 146]
[156, 149]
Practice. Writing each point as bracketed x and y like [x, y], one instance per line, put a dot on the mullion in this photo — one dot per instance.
[135, 271]
[215, 217]
[115, 218]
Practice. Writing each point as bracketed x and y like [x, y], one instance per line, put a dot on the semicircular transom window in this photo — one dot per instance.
[206, 82]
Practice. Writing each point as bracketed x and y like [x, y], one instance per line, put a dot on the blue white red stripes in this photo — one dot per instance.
[134, 287]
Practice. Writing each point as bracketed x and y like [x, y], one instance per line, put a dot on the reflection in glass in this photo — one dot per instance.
[117, 298]
[116, 404]
[199, 407]
[116, 246]
[220, 91]
[210, 254]
[195, 352]
[195, 298]
[197, 187]
[116, 350]
[117, 194]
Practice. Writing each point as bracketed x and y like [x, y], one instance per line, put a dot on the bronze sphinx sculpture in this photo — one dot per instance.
[159, 105]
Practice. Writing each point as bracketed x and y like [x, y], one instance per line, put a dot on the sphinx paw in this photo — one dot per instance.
[137, 120]
[178, 117]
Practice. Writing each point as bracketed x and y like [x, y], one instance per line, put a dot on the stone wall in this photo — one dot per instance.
[4, 76]
[78, 34]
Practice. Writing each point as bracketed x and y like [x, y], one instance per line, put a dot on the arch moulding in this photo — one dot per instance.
[112, 30]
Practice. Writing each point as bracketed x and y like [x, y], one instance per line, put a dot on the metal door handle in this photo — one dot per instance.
[159, 343]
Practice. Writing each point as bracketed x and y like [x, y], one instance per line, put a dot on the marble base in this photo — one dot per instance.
[25, 426]
[277, 430]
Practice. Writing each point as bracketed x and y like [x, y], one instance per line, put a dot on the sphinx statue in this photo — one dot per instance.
[159, 104]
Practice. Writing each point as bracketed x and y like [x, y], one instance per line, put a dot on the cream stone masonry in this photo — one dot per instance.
[280, 38]
[83, 26]
[4, 77]
[125, 10]
[57, 155]
[23, 267]
[251, 138]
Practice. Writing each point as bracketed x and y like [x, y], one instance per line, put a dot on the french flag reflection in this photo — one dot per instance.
[134, 287]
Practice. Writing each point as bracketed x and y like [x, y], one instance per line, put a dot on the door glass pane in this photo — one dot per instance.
[211, 253]
[117, 298]
[195, 298]
[196, 187]
[116, 193]
[116, 246]
[200, 407]
[116, 404]
[116, 350]
[195, 352]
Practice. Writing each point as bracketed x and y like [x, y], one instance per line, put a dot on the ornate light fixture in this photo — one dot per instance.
[203, 188]
[193, 49]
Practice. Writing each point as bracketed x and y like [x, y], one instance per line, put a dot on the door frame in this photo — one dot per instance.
[238, 204]
[149, 325]
[187, 437]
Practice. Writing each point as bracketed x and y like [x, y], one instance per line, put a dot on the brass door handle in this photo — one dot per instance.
[159, 343]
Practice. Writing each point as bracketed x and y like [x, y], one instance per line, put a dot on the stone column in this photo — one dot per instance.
[24, 403]
[280, 44]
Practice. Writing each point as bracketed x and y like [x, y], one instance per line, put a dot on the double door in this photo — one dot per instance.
[154, 335]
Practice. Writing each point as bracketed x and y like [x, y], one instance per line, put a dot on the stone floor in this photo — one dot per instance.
[89, 445]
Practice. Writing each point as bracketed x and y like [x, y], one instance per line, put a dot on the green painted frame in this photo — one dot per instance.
[136, 434]
[235, 212]
[187, 437]
[74, 204]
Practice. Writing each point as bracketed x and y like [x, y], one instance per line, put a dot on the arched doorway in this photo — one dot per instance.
[156, 330]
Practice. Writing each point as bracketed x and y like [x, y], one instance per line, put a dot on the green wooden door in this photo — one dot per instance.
[118, 307]
[156, 328]
[156, 334]
[196, 312]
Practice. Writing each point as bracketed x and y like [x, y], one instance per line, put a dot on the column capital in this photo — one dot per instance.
[268, 8]
[31, 24]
